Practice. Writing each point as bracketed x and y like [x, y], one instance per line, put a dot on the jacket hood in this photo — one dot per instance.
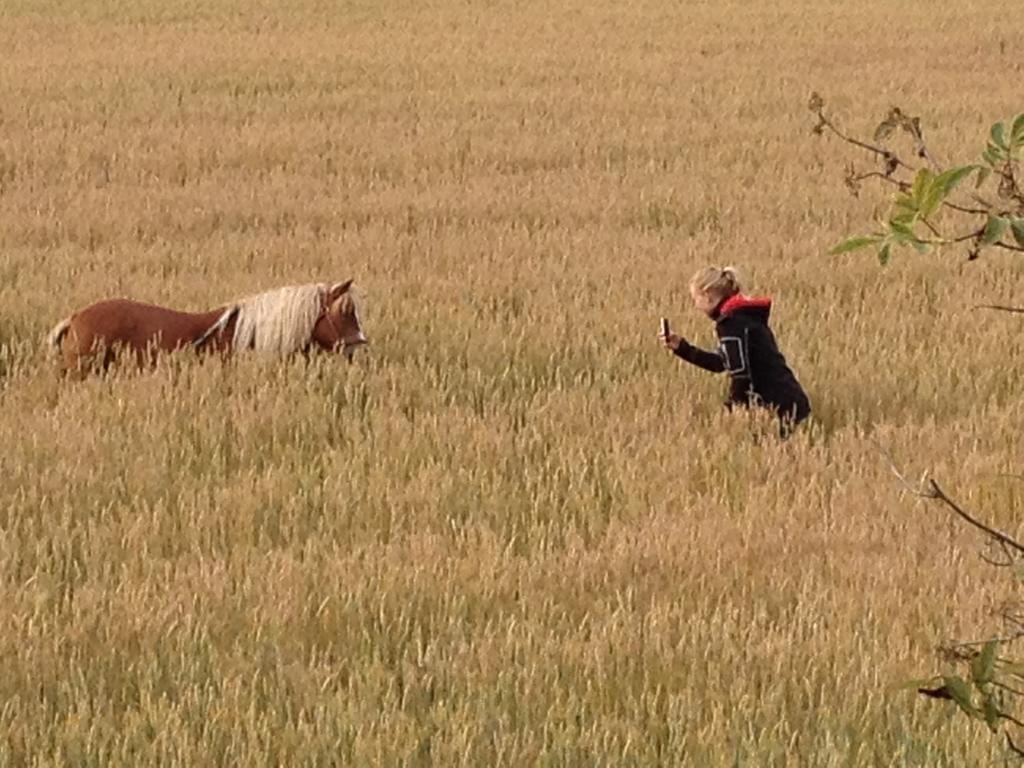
[760, 306]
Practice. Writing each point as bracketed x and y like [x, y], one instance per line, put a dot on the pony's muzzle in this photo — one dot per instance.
[348, 349]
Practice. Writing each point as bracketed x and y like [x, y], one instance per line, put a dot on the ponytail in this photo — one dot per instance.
[717, 282]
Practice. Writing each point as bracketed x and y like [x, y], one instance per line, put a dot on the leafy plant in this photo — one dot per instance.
[932, 206]
[995, 683]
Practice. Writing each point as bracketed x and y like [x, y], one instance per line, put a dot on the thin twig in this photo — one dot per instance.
[904, 186]
[1006, 553]
[969, 236]
[1013, 747]
[888, 155]
[937, 493]
[922, 150]
[899, 475]
[1001, 308]
[1010, 618]
[932, 228]
[1012, 189]
[929, 489]
[965, 209]
[1009, 562]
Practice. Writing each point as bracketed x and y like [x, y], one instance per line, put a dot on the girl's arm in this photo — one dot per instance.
[709, 361]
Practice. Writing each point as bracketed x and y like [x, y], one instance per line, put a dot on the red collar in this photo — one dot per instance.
[738, 301]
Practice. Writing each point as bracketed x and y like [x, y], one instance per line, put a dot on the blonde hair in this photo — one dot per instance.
[716, 282]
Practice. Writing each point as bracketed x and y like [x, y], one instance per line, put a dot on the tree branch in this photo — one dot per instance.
[929, 489]
[932, 228]
[1000, 308]
[1013, 747]
[969, 236]
[853, 179]
[965, 209]
[1009, 562]
[903, 186]
[935, 492]
[1009, 186]
[892, 160]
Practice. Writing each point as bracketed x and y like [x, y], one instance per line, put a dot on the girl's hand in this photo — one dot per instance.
[671, 341]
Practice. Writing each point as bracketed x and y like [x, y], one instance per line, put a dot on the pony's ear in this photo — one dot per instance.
[338, 289]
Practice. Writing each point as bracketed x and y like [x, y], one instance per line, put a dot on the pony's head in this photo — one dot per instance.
[339, 328]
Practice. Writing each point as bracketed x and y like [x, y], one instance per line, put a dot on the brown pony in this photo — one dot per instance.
[279, 322]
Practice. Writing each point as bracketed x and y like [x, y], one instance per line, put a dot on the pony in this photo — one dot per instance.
[278, 323]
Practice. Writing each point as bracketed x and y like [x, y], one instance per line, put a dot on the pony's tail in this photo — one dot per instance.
[56, 336]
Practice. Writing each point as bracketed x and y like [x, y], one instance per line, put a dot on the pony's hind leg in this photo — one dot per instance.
[73, 358]
[97, 358]
[78, 366]
[81, 350]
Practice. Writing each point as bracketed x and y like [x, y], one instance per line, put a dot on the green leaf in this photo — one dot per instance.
[991, 713]
[999, 135]
[947, 181]
[1017, 225]
[929, 191]
[984, 664]
[902, 226]
[1017, 132]
[854, 243]
[885, 254]
[901, 232]
[983, 174]
[958, 689]
[995, 228]
[920, 187]
[932, 201]
[904, 202]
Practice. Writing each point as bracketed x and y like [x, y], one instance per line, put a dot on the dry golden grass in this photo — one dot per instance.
[517, 532]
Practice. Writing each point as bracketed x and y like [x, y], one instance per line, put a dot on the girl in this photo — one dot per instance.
[758, 374]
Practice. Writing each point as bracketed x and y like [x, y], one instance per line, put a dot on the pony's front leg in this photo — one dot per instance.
[99, 359]
[148, 354]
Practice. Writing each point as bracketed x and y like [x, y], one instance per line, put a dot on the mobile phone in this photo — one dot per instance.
[664, 326]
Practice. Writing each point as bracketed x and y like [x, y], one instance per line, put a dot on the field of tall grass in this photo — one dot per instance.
[516, 532]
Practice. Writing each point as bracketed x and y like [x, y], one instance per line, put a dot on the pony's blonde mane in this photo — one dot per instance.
[279, 322]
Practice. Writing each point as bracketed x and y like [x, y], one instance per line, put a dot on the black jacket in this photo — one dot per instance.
[758, 374]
